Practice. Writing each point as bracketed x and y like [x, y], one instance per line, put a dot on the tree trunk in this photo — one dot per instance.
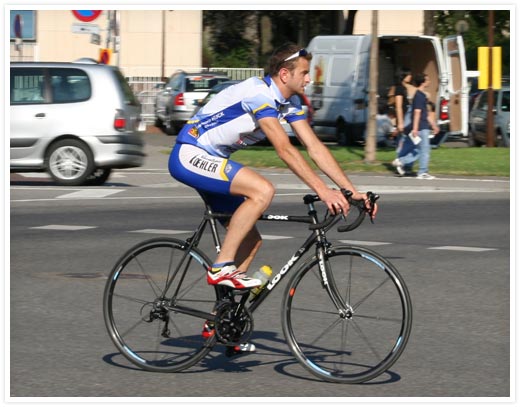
[370, 142]
[429, 22]
[349, 26]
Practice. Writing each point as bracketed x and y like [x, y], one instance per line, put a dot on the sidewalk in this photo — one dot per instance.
[157, 144]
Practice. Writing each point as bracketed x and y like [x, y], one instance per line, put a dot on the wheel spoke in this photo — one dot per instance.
[363, 340]
[141, 320]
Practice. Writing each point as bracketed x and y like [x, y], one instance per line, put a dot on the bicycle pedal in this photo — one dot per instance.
[240, 349]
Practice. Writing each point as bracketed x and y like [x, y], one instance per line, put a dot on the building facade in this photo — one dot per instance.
[148, 43]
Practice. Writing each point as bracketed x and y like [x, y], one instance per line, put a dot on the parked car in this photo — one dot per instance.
[175, 105]
[199, 103]
[76, 121]
[478, 118]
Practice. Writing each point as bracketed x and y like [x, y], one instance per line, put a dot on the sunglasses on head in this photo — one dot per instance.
[301, 53]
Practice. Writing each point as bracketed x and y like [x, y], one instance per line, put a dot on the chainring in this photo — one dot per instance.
[232, 329]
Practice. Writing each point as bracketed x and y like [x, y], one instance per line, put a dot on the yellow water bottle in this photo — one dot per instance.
[263, 274]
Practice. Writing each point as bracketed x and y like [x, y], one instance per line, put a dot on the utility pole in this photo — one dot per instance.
[370, 142]
[490, 96]
[163, 42]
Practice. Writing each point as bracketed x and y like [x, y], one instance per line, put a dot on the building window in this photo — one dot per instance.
[28, 24]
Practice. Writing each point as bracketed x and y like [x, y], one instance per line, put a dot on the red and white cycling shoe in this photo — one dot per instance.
[231, 277]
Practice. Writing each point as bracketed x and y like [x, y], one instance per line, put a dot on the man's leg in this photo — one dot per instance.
[248, 249]
[242, 239]
[424, 152]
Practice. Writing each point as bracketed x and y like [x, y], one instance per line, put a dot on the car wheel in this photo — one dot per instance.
[500, 140]
[170, 128]
[70, 162]
[343, 135]
[99, 176]
[472, 141]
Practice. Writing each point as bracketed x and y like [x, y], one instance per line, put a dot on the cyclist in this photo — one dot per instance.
[241, 115]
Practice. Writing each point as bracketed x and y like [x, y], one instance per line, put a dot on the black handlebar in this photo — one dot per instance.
[359, 204]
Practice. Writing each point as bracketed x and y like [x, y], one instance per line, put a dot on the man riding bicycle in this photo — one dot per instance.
[241, 115]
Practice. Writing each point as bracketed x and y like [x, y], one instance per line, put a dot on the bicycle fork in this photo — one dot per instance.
[345, 310]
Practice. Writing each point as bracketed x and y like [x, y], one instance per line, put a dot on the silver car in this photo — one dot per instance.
[76, 121]
[478, 118]
[176, 103]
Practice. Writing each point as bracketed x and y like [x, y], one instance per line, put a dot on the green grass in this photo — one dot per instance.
[444, 160]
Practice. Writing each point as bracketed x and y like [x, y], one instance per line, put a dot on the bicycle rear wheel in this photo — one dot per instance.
[361, 345]
[155, 304]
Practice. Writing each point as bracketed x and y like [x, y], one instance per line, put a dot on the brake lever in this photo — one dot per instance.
[372, 199]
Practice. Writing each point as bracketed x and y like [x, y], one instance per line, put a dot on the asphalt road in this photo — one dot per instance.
[450, 239]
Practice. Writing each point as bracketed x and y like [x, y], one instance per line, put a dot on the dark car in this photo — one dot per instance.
[174, 105]
[478, 118]
[211, 94]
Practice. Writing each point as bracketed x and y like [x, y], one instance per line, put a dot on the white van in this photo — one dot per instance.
[340, 79]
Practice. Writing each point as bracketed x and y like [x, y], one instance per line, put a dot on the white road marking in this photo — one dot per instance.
[161, 231]
[463, 248]
[64, 227]
[364, 242]
[90, 193]
[265, 237]
[34, 174]
[274, 237]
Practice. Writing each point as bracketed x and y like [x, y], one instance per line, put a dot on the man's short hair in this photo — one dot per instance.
[419, 79]
[277, 60]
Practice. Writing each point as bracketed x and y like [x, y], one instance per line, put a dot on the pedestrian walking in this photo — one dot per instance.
[416, 145]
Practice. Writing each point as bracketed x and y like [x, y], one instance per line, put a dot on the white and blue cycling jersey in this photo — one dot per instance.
[229, 122]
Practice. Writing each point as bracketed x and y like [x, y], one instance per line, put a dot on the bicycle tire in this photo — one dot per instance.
[134, 293]
[352, 349]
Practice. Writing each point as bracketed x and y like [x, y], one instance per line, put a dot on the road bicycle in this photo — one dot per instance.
[346, 311]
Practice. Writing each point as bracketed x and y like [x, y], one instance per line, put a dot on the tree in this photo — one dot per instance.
[227, 40]
[370, 145]
[429, 22]
[349, 22]
[235, 38]
[477, 35]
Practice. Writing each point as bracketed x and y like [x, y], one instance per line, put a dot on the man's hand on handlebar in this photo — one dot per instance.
[370, 202]
[336, 201]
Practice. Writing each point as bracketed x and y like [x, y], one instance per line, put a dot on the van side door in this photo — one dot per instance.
[455, 62]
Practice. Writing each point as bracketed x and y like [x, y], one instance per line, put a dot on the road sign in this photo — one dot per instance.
[86, 15]
[95, 39]
[85, 28]
[483, 67]
[104, 55]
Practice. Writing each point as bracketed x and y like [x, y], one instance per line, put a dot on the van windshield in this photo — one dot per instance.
[129, 96]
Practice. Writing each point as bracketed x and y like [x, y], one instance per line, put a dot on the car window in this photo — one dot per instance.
[505, 102]
[27, 86]
[128, 94]
[483, 101]
[202, 83]
[69, 85]
[175, 82]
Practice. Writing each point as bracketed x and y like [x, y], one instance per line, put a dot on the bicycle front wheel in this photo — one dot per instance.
[353, 346]
[155, 304]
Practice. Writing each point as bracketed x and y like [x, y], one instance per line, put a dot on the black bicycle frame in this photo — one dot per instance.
[317, 237]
